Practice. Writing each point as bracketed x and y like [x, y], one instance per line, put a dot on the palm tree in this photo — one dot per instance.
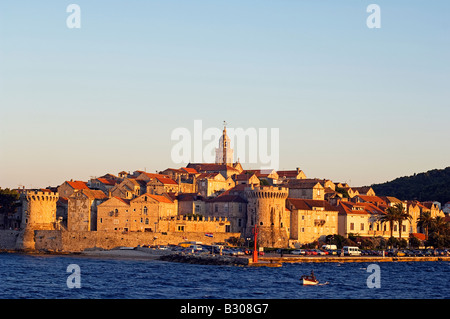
[425, 221]
[390, 217]
[402, 215]
[439, 225]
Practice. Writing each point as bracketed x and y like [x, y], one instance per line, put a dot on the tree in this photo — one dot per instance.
[425, 221]
[402, 215]
[8, 202]
[390, 216]
[439, 225]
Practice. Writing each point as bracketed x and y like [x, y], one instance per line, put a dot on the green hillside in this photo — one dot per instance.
[433, 185]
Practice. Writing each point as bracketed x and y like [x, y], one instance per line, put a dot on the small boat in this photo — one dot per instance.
[309, 280]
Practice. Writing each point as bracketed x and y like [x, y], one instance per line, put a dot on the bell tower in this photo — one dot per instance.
[224, 153]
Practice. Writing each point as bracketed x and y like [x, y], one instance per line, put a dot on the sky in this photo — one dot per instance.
[351, 103]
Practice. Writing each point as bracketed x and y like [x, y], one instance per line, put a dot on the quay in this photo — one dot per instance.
[338, 259]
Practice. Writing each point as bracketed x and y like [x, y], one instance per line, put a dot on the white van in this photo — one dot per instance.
[329, 247]
[352, 251]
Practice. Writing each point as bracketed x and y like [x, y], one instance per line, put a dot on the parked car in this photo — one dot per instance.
[298, 252]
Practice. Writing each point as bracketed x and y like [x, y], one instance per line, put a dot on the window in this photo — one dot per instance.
[180, 228]
[240, 222]
[352, 226]
[362, 226]
[145, 210]
[146, 221]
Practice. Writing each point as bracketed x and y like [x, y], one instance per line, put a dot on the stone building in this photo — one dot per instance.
[69, 187]
[233, 207]
[161, 185]
[212, 184]
[311, 220]
[82, 209]
[140, 214]
[129, 188]
[298, 188]
[191, 203]
[363, 219]
[290, 174]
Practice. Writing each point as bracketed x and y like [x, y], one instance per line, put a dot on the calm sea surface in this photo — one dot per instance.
[26, 276]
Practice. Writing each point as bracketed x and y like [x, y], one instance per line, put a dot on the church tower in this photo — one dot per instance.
[224, 153]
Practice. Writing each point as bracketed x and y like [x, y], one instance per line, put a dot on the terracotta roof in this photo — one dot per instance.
[371, 199]
[78, 184]
[94, 194]
[299, 183]
[159, 198]
[211, 167]
[290, 173]
[124, 200]
[190, 170]
[152, 175]
[358, 208]
[189, 197]
[166, 180]
[107, 181]
[227, 198]
[308, 204]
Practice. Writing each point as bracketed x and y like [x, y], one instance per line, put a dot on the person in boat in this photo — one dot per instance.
[312, 277]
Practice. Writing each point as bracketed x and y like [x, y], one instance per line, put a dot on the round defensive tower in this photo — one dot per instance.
[40, 210]
[38, 213]
[266, 210]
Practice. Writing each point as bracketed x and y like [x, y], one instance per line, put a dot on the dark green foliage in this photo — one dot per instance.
[433, 185]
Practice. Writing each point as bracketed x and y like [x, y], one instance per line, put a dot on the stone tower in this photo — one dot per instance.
[38, 213]
[224, 153]
[266, 209]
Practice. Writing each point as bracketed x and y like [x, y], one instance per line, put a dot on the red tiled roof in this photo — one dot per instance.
[371, 199]
[78, 184]
[159, 198]
[308, 204]
[166, 180]
[124, 200]
[359, 208]
[107, 181]
[228, 198]
[190, 170]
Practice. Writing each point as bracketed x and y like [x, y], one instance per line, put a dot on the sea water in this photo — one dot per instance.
[38, 277]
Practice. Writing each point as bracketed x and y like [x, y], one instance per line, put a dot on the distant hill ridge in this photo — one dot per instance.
[433, 185]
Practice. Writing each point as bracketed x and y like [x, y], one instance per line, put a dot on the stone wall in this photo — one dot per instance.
[55, 240]
[8, 239]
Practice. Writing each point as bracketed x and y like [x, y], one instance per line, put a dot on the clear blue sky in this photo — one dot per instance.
[352, 104]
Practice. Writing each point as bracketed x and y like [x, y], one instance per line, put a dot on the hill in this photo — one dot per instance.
[433, 185]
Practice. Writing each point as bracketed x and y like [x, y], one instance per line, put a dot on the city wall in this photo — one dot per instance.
[67, 241]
